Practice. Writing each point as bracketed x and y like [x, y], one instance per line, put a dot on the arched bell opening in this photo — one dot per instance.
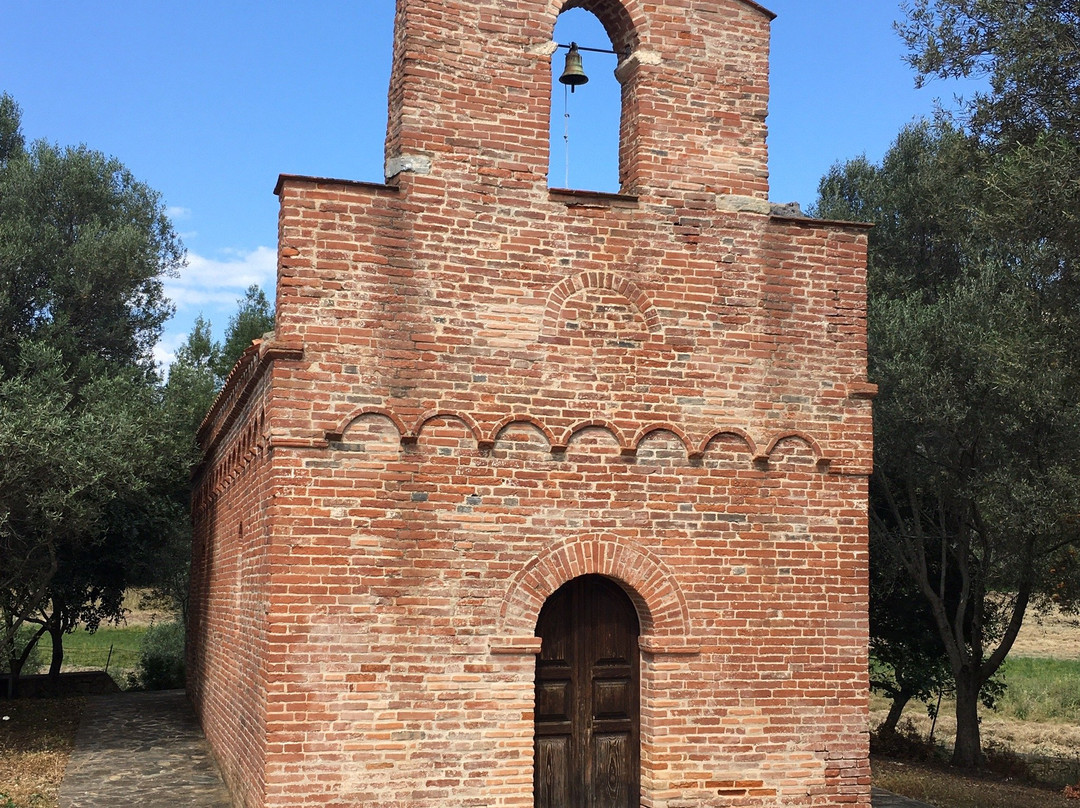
[586, 107]
[587, 716]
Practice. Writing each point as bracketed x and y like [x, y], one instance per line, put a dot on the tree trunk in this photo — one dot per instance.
[967, 752]
[899, 702]
[57, 661]
[15, 667]
[9, 652]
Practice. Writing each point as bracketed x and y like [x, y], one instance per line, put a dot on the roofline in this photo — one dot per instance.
[810, 220]
[283, 179]
[770, 14]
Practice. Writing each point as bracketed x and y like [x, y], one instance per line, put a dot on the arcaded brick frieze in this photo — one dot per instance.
[487, 402]
[578, 315]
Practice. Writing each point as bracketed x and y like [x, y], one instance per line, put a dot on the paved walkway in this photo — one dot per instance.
[146, 750]
[141, 750]
[886, 799]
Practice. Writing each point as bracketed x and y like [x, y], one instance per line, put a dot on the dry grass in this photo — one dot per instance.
[1022, 737]
[947, 788]
[36, 738]
[1053, 635]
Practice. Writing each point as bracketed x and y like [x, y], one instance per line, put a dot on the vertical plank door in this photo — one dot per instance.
[586, 714]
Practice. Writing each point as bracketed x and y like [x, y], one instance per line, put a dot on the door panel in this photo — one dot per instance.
[553, 766]
[553, 701]
[611, 699]
[586, 715]
[611, 755]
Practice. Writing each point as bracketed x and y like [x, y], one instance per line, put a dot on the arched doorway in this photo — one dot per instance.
[586, 713]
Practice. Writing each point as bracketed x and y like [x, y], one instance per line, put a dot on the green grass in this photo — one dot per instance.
[1045, 690]
[91, 651]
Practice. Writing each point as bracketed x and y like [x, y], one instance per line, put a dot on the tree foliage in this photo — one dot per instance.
[94, 489]
[908, 658]
[1029, 52]
[975, 492]
[89, 458]
[195, 377]
[1027, 122]
[254, 317]
[78, 490]
[975, 312]
[84, 248]
[190, 390]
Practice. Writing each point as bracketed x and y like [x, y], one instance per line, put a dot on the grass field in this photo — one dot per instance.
[1044, 690]
[115, 649]
[112, 648]
[1034, 732]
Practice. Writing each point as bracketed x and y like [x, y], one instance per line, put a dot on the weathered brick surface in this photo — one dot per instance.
[479, 389]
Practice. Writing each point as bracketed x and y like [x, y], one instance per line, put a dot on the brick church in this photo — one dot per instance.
[540, 497]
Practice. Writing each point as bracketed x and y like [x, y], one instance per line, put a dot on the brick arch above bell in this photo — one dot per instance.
[622, 19]
[625, 21]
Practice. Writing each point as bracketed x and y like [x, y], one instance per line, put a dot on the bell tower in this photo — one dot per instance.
[542, 497]
[470, 93]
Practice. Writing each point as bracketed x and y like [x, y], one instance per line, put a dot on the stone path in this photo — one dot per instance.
[886, 799]
[142, 750]
[146, 750]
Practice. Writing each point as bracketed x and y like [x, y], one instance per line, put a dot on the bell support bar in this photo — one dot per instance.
[593, 50]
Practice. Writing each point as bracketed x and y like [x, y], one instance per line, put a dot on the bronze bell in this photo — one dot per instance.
[573, 74]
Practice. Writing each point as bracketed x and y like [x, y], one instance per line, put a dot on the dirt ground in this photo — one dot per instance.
[36, 737]
[942, 786]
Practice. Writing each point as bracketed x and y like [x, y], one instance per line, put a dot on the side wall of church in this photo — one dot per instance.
[228, 643]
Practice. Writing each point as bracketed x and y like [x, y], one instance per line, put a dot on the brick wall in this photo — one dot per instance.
[227, 633]
[479, 389]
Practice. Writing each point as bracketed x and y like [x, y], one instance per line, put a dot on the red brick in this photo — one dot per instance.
[479, 389]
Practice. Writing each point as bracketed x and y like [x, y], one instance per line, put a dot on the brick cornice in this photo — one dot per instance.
[486, 430]
[237, 391]
[300, 179]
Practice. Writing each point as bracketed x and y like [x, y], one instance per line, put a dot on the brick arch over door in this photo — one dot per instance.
[661, 605]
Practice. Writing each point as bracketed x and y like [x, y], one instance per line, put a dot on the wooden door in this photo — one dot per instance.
[586, 715]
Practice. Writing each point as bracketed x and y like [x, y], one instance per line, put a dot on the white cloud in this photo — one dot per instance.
[166, 347]
[209, 282]
[211, 287]
[176, 212]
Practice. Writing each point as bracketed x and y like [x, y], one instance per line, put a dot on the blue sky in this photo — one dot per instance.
[207, 101]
